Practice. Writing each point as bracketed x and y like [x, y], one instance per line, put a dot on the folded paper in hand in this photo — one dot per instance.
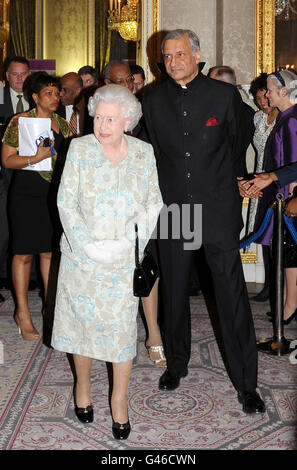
[30, 132]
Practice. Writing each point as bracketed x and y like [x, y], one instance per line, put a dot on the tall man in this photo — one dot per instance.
[193, 124]
[13, 102]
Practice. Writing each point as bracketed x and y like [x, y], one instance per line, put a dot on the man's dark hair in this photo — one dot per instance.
[112, 63]
[137, 69]
[18, 59]
[90, 70]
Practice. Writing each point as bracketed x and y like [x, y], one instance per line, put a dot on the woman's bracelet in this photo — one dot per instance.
[29, 162]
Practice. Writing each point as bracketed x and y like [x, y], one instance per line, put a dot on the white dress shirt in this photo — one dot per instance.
[69, 111]
[14, 100]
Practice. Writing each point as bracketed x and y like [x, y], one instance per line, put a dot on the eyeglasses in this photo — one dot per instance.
[123, 81]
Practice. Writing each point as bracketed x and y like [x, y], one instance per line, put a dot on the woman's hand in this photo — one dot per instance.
[291, 208]
[253, 188]
[43, 152]
[260, 182]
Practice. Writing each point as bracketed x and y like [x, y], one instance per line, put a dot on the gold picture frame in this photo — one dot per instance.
[264, 36]
[4, 32]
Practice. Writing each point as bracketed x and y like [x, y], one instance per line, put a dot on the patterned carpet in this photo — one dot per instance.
[37, 410]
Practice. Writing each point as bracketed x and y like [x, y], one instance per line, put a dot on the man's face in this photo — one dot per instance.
[87, 79]
[121, 75]
[179, 60]
[138, 82]
[69, 89]
[16, 75]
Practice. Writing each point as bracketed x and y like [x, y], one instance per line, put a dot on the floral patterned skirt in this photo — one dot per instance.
[95, 312]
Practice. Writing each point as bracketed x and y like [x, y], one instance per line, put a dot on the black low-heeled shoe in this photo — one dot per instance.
[85, 415]
[291, 317]
[121, 431]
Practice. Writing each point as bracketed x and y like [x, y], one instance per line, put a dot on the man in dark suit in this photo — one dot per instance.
[17, 70]
[72, 102]
[226, 74]
[193, 123]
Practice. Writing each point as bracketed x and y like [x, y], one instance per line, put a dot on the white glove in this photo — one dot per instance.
[120, 247]
[101, 255]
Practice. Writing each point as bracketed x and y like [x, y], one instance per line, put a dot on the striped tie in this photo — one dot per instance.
[73, 123]
[19, 106]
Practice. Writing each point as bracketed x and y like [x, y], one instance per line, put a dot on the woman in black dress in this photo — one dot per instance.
[29, 203]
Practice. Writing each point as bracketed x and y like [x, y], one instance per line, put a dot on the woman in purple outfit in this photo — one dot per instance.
[280, 150]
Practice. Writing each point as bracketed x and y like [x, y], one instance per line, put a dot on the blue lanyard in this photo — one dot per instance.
[38, 142]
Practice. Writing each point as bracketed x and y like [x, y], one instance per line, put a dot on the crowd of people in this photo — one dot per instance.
[119, 156]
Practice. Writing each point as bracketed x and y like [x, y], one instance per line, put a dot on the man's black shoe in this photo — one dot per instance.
[169, 381]
[251, 402]
[262, 296]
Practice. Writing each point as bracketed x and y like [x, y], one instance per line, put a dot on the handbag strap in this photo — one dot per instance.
[136, 246]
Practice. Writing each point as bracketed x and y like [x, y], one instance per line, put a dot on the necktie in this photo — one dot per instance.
[19, 106]
[73, 123]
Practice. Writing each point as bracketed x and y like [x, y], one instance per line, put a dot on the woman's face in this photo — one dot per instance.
[274, 94]
[262, 102]
[109, 124]
[47, 99]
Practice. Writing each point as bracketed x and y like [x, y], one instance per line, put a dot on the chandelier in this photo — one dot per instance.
[122, 17]
[285, 9]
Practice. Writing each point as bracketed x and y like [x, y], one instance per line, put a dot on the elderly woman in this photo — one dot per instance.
[264, 121]
[31, 220]
[108, 184]
[280, 150]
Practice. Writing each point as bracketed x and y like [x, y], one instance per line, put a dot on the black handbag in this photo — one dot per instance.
[145, 273]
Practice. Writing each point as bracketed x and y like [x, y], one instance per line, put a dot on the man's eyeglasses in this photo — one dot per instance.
[123, 81]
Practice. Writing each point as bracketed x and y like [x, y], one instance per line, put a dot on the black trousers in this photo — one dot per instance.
[233, 308]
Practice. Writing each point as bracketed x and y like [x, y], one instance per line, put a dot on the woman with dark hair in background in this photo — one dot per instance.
[264, 121]
[30, 219]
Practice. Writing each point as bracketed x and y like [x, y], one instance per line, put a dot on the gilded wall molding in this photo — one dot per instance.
[150, 25]
[4, 31]
[265, 36]
[90, 31]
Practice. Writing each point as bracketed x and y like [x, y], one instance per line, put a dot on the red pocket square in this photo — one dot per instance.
[212, 121]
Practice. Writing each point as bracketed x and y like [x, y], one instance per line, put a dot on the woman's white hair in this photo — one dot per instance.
[288, 79]
[121, 96]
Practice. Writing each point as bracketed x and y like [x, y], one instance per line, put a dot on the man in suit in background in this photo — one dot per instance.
[224, 73]
[194, 125]
[118, 72]
[17, 70]
[72, 101]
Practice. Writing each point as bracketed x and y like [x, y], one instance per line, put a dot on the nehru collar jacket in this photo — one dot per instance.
[197, 139]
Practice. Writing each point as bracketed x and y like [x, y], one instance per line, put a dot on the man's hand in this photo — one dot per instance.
[244, 186]
[291, 208]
